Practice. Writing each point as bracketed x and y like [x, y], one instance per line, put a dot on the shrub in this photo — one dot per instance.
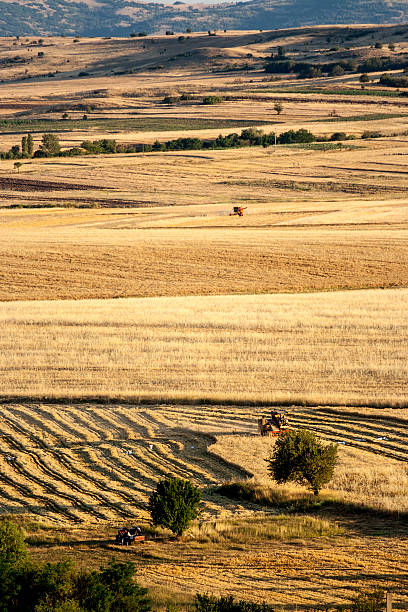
[278, 106]
[13, 548]
[368, 601]
[338, 136]
[112, 589]
[390, 80]
[292, 137]
[50, 145]
[364, 78]
[299, 456]
[371, 134]
[211, 603]
[212, 100]
[174, 504]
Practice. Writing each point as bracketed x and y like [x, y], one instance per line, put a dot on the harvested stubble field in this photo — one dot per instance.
[96, 463]
[182, 380]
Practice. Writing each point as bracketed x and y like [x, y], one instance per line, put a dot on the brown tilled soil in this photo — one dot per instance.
[18, 184]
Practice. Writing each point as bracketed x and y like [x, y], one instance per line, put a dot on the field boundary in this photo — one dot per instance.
[146, 399]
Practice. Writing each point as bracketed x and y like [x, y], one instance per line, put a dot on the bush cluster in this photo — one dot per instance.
[392, 80]
[306, 70]
[60, 587]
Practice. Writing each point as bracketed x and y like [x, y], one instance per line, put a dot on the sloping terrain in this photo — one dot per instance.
[87, 463]
[108, 18]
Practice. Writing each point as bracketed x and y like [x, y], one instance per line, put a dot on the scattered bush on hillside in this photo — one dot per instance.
[174, 504]
[306, 70]
[299, 456]
[367, 601]
[391, 80]
[212, 100]
[227, 603]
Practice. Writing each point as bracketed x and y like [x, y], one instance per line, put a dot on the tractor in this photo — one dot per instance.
[276, 425]
[238, 210]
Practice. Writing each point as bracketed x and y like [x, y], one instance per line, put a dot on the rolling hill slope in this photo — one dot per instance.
[121, 17]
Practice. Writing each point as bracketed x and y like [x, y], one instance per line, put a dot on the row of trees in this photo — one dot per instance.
[49, 147]
[250, 137]
[277, 65]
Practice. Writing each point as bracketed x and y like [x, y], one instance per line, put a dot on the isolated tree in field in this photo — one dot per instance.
[174, 504]
[364, 78]
[17, 166]
[50, 145]
[299, 456]
[278, 106]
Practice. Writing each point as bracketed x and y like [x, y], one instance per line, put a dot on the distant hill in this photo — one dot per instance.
[122, 17]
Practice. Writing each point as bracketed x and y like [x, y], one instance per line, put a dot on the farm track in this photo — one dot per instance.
[99, 462]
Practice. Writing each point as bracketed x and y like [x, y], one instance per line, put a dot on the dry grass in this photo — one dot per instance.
[335, 347]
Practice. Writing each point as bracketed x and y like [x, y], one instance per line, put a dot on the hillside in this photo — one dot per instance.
[122, 17]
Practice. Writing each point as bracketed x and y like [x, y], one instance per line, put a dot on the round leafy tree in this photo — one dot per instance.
[174, 504]
[299, 456]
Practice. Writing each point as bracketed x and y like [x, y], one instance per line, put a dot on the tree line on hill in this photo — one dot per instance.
[307, 70]
[249, 137]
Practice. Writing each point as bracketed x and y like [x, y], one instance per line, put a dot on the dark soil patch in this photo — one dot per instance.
[17, 184]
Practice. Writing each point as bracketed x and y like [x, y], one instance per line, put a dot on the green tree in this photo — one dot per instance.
[299, 456]
[112, 589]
[13, 558]
[364, 78]
[227, 603]
[24, 146]
[278, 106]
[13, 549]
[50, 145]
[30, 144]
[17, 165]
[212, 100]
[174, 504]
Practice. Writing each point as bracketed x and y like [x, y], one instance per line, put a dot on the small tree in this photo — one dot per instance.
[174, 504]
[30, 144]
[50, 145]
[17, 166]
[278, 106]
[364, 78]
[299, 456]
[24, 146]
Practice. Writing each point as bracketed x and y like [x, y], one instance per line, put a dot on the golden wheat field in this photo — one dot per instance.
[326, 347]
[144, 330]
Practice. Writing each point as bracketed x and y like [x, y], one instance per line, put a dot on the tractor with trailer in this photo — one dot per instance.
[276, 425]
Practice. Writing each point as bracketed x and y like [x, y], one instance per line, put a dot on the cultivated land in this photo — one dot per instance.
[301, 303]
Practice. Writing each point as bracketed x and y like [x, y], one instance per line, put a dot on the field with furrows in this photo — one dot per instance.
[77, 463]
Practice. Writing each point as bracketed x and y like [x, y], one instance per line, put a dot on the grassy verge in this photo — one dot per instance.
[142, 124]
[332, 92]
[281, 527]
[325, 146]
[294, 501]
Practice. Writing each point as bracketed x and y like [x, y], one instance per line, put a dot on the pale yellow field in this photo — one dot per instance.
[327, 347]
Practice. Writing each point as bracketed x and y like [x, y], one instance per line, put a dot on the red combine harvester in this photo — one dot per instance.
[276, 425]
[238, 210]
